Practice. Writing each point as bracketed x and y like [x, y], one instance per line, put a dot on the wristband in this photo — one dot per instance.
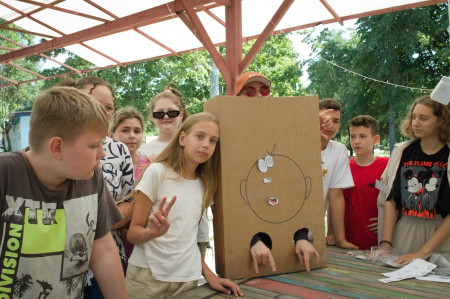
[386, 241]
[263, 237]
[303, 234]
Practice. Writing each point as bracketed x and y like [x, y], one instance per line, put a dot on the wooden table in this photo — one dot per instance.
[345, 277]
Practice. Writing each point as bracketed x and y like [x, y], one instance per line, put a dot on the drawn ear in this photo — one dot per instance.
[307, 186]
[243, 192]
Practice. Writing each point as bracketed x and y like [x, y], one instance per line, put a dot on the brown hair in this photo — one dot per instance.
[366, 121]
[84, 82]
[175, 96]
[65, 112]
[123, 114]
[329, 103]
[173, 157]
[439, 110]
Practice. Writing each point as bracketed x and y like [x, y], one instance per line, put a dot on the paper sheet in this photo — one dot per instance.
[416, 268]
[434, 277]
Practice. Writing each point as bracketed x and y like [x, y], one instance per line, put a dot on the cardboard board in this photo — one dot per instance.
[281, 137]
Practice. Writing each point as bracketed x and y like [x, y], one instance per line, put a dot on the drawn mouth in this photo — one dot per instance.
[273, 201]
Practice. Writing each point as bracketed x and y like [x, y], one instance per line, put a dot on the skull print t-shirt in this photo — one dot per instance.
[421, 188]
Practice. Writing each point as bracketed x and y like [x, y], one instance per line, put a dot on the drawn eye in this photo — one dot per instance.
[262, 165]
[269, 160]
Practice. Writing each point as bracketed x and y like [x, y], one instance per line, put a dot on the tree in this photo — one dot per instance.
[17, 97]
[390, 48]
[279, 62]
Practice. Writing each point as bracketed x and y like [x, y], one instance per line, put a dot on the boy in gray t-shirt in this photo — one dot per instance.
[55, 211]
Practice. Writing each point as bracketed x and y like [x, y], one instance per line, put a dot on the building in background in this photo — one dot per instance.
[19, 130]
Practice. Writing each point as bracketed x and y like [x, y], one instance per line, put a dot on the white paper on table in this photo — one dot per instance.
[416, 268]
[434, 277]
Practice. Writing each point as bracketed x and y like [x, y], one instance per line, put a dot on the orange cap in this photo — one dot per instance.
[248, 78]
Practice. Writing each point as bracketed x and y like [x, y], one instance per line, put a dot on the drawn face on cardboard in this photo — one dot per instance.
[275, 188]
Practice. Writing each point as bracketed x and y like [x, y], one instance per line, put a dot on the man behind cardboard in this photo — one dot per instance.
[56, 213]
[253, 84]
[336, 174]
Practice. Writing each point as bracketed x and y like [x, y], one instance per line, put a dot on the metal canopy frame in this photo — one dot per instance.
[230, 66]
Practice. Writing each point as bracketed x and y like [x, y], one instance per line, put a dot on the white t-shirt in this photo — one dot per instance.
[173, 257]
[336, 171]
[154, 147]
[203, 229]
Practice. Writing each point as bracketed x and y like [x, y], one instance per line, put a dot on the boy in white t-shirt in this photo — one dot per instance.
[336, 174]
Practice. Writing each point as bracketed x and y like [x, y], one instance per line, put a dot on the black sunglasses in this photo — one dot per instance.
[161, 114]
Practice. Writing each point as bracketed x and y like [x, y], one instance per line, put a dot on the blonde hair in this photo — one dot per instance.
[65, 112]
[175, 96]
[173, 157]
[439, 110]
[123, 114]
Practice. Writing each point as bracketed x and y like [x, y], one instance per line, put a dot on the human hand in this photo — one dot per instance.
[330, 239]
[158, 222]
[407, 258]
[373, 227]
[225, 285]
[151, 158]
[325, 119]
[305, 252]
[260, 255]
[346, 244]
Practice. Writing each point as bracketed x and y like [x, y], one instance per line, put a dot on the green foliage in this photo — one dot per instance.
[409, 48]
[279, 62]
[17, 97]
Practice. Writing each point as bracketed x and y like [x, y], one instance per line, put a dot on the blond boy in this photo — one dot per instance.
[55, 211]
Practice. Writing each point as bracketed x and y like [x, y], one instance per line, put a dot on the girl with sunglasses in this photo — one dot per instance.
[167, 111]
[166, 261]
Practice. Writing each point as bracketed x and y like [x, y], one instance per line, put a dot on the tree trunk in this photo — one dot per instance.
[391, 114]
[214, 80]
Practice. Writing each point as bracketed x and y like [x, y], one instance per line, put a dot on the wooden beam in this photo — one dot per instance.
[219, 20]
[24, 15]
[27, 32]
[233, 20]
[359, 15]
[141, 18]
[57, 8]
[26, 70]
[27, 14]
[175, 53]
[199, 31]
[265, 34]
[40, 54]
[9, 80]
[332, 11]
[101, 54]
